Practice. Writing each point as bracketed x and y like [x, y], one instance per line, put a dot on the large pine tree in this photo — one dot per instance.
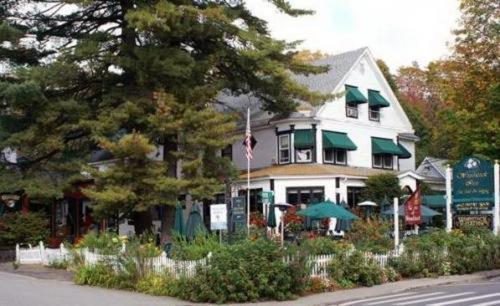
[93, 69]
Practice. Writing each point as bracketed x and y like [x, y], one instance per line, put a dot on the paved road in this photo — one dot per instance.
[483, 293]
[20, 290]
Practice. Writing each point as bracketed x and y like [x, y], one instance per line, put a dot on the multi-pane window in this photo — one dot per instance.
[303, 155]
[374, 113]
[384, 161]
[351, 110]
[284, 148]
[304, 195]
[335, 156]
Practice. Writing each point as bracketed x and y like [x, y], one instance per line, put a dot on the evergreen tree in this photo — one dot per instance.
[155, 67]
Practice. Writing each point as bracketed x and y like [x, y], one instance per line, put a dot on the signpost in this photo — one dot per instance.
[475, 193]
[218, 218]
[238, 211]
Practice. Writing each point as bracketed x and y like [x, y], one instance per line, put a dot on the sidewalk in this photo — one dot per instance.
[333, 298]
[37, 271]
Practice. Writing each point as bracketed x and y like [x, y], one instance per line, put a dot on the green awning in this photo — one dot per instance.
[406, 154]
[434, 201]
[385, 146]
[376, 99]
[353, 95]
[337, 140]
[303, 139]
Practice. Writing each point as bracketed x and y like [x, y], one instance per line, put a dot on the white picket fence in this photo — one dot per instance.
[162, 264]
[40, 254]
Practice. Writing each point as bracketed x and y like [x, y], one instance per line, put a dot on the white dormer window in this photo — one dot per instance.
[284, 148]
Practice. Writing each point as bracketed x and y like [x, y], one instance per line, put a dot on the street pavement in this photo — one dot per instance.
[21, 290]
[479, 293]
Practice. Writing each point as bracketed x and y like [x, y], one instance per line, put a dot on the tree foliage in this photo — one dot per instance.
[80, 74]
[382, 186]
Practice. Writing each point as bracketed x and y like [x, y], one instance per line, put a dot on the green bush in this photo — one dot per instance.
[324, 245]
[248, 271]
[371, 236]
[102, 275]
[353, 268]
[106, 243]
[197, 248]
[154, 284]
[21, 227]
[441, 253]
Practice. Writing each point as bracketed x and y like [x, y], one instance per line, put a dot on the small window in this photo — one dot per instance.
[340, 157]
[351, 110]
[335, 156]
[377, 161]
[374, 114]
[388, 161]
[382, 161]
[284, 149]
[303, 155]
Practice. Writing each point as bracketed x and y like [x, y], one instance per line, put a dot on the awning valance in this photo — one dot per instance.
[375, 99]
[434, 201]
[353, 95]
[405, 153]
[304, 139]
[337, 140]
[385, 146]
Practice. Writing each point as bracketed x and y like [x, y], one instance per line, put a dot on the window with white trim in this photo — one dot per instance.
[335, 156]
[303, 155]
[284, 148]
[383, 161]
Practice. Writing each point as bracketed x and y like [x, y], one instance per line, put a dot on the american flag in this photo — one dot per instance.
[248, 138]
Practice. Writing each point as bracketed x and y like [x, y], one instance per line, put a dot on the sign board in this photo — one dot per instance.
[473, 185]
[238, 210]
[413, 208]
[476, 221]
[218, 217]
[267, 196]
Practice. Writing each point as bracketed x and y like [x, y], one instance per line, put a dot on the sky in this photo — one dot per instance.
[397, 31]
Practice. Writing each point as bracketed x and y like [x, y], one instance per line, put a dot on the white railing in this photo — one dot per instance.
[162, 264]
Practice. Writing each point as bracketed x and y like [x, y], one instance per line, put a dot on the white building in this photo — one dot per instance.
[327, 152]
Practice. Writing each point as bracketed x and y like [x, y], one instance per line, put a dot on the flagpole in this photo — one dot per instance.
[248, 178]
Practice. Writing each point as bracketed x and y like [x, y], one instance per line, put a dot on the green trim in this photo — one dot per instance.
[406, 154]
[303, 139]
[354, 96]
[338, 140]
[375, 99]
[385, 146]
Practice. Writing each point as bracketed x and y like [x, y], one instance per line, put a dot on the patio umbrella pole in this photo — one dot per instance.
[282, 228]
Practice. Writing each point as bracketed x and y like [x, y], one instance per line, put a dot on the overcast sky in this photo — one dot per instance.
[397, 31]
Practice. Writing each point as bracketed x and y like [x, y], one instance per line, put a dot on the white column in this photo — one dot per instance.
[496, 210]
[449, 219]
[396, 223]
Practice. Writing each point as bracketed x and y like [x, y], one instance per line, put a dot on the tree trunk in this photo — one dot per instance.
[168, 212]
[143, 221]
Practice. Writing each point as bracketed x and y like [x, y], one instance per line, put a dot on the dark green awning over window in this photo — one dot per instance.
[434, 201]
[303, 139]
[337, 140]
[405, 153]
[385, 146]
[376, 99]
[353, 95]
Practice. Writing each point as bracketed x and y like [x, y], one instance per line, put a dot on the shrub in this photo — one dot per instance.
[21, 227]
[248, 271]
[106, 243]
[324, 245]
[197, 248]
[355, 269]
[370, 236]
[154, 284]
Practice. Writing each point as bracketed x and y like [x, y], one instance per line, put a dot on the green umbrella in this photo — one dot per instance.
[327, 209]
[179, 220]
[271, 217]
[194, 224]
[343, 224]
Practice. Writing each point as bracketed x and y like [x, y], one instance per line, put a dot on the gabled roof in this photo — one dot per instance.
[339, 64]
[433, 167]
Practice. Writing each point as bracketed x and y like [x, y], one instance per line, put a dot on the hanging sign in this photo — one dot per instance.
[413, 208]
[473, 185]
[10, 199]
[267, 196]
[218, 217]
[476, 221]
